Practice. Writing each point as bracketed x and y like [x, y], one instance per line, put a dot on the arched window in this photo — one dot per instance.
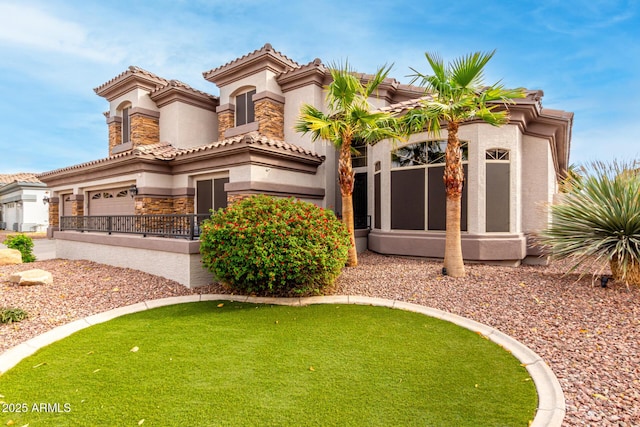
[124, 111]
[245, 112]
[498, 185]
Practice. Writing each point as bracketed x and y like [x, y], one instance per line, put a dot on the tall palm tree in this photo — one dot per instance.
[349, 116]
[456, 94]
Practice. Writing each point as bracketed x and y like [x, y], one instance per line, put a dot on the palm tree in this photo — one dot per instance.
[349, 117]
[456, 94]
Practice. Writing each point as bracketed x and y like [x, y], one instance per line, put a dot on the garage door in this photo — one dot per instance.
[111, 202]
[67, 205]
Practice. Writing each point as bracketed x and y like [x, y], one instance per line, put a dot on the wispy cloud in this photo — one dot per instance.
[31, 27]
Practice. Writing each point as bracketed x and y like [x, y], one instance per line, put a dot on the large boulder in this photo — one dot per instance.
[32, 277]
[10, 256]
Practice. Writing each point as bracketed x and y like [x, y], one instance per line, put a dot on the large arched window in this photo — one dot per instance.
[245, 112]
[418, 197]
[498, 185]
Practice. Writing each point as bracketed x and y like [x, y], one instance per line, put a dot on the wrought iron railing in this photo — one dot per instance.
[181, 226]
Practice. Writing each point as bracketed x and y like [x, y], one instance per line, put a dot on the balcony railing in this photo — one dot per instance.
[180, 226]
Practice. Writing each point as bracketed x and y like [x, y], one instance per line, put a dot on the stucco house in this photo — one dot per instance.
[23, 203]
[173, 149]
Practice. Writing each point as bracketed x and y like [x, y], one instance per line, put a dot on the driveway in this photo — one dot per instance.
[43, 249]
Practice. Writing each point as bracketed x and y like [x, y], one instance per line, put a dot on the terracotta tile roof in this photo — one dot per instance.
[18, 177]
[85, 164]
[531, 96]
[251, 138]
[167, 152]
[160, 151]
[405, 105]
[184, 86]
[131, 71]
[267, 48]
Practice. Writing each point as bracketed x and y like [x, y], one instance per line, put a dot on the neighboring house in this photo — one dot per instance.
[177, 150]
[23, 199]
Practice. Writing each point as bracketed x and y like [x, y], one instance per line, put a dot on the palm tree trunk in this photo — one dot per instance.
[346, 179]
[453, 181]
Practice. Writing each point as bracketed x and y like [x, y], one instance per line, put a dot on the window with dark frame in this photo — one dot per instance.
[245, 112]
[410, 165]
[126, 125]
[358, 153]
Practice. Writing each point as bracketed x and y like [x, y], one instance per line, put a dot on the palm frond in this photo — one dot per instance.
[468, 71]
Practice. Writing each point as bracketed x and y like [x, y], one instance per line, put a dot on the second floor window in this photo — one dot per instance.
[126, 125]
[244, 108]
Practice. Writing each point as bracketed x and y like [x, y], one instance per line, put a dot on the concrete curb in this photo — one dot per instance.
[551, 403]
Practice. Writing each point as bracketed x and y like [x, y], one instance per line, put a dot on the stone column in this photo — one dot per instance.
[54, 212]
[269, 113]
[226, 118]
[145, 127]
[77, 205]
[115, 132]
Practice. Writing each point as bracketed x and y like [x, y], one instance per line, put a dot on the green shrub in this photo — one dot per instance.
[10, 315]
[24, 244]
[598, 219]
[268, 246]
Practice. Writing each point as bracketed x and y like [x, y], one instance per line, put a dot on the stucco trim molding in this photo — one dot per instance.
[490, 247]
[114, 119]
[268, 95]
[166, 192]
[242, 129]
[274, 189]
[226, 107]
[144, 112]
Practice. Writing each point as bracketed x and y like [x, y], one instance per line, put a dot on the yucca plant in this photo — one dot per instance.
[598, 220]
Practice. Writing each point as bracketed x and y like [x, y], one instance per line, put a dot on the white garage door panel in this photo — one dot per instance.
[111, 202]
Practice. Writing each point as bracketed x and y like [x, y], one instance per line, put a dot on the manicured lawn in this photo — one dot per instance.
[246, 364]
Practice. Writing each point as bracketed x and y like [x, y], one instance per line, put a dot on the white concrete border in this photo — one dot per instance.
[551, 404]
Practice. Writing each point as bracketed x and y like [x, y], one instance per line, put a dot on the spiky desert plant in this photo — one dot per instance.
[598, 219]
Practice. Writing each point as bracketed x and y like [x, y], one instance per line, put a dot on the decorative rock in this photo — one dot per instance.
[32, 277]
[10, 256]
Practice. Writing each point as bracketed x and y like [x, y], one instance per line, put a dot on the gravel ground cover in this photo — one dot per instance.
[589, 335]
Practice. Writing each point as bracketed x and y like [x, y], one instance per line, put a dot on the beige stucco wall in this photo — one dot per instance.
[177, 261]
[137, 97]
[259, 173]
[483, 137]
[327, 172]
[539, 185]
[185, 125]
[310, 94]
[262, 81]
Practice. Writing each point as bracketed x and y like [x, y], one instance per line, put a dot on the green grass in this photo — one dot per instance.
[249, 365]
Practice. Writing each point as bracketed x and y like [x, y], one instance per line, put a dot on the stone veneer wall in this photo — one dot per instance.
[153, 205]
[77, 207]
[183, 205]
[226, 121]
[270, 117]
[145, 130]
[163, 205]
[115, 134]
[54, 212]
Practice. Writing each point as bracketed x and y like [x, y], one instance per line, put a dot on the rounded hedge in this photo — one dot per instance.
[268, 246]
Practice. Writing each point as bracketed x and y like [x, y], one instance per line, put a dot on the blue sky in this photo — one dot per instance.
[585, 55]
